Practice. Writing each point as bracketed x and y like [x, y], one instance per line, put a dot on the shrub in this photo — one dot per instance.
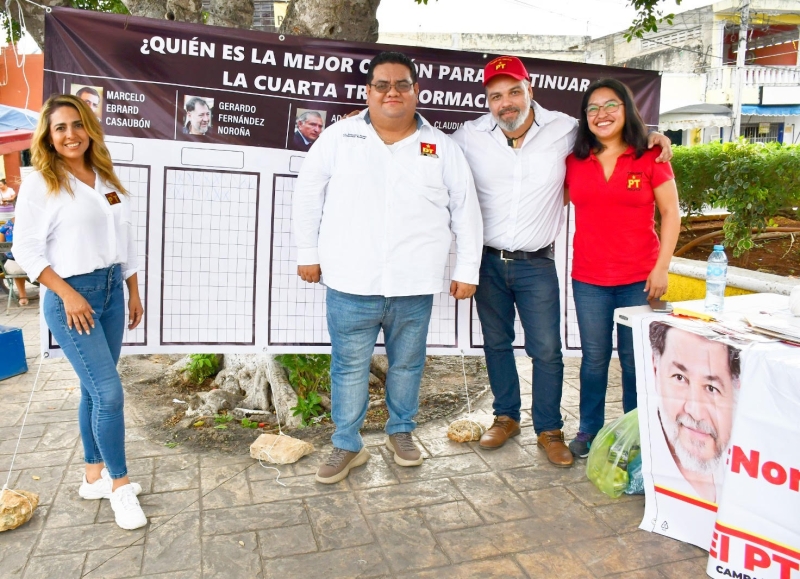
[307, 372]
[753, 181]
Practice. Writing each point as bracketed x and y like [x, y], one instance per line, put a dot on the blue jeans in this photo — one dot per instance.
[595, 307]
[354, 323]
[533, 286]
[94, 358]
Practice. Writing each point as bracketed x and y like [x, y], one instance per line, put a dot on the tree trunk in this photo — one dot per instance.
[354, 20]
[34, 18]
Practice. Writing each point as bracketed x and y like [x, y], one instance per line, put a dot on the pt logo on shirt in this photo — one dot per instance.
[428, 150]
[113, 198]
[634, 181]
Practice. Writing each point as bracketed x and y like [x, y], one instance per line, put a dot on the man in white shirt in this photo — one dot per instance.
[517, 154]
[378, 200]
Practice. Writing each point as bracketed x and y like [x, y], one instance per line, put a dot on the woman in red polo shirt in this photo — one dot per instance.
[615, 184]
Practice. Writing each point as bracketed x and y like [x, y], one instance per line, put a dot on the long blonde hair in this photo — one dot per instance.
[49, 163]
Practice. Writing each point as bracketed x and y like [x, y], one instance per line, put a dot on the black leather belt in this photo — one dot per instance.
[506, 255]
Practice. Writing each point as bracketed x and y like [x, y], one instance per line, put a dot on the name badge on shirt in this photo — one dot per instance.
[113, 198]
[428, 150]
[634, 181]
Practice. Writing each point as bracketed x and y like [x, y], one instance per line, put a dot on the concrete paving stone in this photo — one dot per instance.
[695, 567]
[296, 487]
[337, 522]
[169, 503]
[287, 541]
[441, 467]
[364, 562]
[173, 543]
[491, 498]
[450, 516]
[63, 385]
[12, 432]
[184, 574]
[39, 459]
[44, 406]
[409, 495]
[543, 475]
[434, 429]
[179, 480]
[405, 541]
[506, 457]
[82, 538]
[554, 561]
[526, 437]
[114, 563]
[25, 445]
[504, 568]
[61, 566]
[492, 540]
[639, 574]
[564, 516]
[134, 433]
[213, 459]
[233, 492]
[5, 479]
[45, 485]
[15, 549]
[590, 496]
[613, 556]
[373, 438]
[175, 462]
[69, 509]
[59, 436]
[266, 471]
[227, 556]
[55, 397]
[13, 414]
[64, 374]
[310, 463]
[253, 518]
[375, 473]
[622, 517]
[139, 466]
[148, 448]
[437, 447]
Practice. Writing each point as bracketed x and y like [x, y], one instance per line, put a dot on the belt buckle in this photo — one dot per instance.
[503, 255]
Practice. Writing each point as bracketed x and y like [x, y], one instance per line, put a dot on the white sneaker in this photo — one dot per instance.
[127, 512]
[101, 488]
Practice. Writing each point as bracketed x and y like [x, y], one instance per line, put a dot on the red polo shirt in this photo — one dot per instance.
[615, 239]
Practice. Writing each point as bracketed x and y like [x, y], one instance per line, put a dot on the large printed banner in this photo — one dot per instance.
[208, 128]
[718, 422]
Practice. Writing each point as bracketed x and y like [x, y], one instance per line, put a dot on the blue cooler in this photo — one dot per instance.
[12, 353]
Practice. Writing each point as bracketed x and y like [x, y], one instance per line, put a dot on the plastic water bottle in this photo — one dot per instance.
[716, 276]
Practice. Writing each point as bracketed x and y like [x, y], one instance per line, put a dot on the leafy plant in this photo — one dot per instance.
[221, 421]
[308, 407]
[247, 423]
[307, 372]
[753, 181]
[201, 366]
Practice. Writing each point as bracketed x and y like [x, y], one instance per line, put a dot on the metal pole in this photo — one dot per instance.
[739, 73]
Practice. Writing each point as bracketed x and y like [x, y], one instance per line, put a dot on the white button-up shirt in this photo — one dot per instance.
[520, 190]
[73, 234]
[378, 219]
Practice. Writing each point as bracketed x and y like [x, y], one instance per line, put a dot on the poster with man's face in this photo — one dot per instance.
[91, 95]
[198, 115]
[691, 387]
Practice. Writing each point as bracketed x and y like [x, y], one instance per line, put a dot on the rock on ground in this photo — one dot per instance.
[465, 430]
[16, 508]
[279, 449]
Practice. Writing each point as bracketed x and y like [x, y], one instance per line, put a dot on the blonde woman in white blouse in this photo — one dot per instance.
[74, 234]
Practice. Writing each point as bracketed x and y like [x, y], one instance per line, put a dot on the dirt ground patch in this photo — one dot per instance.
[441, 394]
[779, 256]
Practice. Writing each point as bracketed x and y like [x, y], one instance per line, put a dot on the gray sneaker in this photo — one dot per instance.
[339, 463]
[405, 451]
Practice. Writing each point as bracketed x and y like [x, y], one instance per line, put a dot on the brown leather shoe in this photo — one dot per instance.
[501, 430]
[552, 442]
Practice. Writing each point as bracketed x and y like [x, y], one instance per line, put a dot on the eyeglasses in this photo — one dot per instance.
[609, 107]
[383, 86]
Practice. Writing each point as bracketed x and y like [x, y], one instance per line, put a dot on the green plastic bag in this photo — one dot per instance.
[615, 446]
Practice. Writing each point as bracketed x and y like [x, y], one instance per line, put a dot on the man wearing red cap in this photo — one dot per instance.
[517, 154]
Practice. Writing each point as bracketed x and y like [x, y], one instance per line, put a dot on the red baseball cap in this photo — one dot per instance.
[508, 65]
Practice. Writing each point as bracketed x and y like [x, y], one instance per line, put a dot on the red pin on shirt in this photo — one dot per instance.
[113, 198]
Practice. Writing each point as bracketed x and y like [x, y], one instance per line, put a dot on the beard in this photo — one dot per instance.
[687, 456]
[522, 116]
